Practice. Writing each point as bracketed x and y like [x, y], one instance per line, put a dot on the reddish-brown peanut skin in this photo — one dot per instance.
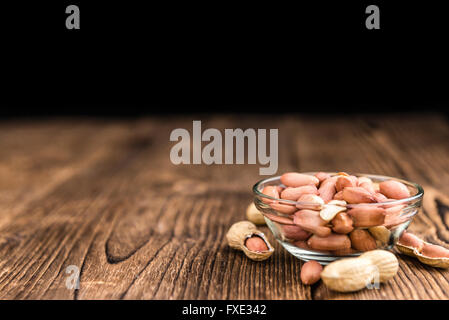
[362, 240]
[342, 223]
[344, 252]
[295, 232]
[332, 242]
[434, 251]
[367, 216]
[394, 210]
[327, 189]
[311, 272]
[271, 191]
[357, 195]
[343, 182]
[367, 184]
[321, 176]
[379, 197]
[279, 219]
[311, 221]
[338, 195]
[294, 193]
[256, 244]
[393, 216]
[368, 187]
[309, 201]
[394, 189]
[410, 240]
[294, 179]
[354, 180]
[301, 244]
[283, 208]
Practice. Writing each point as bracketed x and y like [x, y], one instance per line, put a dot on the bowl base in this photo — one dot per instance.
[322, 258]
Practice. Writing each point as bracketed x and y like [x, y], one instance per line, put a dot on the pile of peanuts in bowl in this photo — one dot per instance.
[321, 217]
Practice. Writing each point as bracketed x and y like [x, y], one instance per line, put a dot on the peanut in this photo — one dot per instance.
[380, 233]
[386, 262]
[301, 244]
[311, 221]
[367, 216]
[329, 211]
[339, 195]
[347, 275]
[310, 201]
[394, 189]
[434, 251]
[321, 176]
[332, 242]
[368, 187]
[283, 208]
[354, 180]
[295, 232]
[362, 240]
[427, 253]
[254, 215]
[344, 252]
[340, 203]
[342, 223]
[362, 180]
[294, 193]
[394, 210]
[410, 240]
[256, 244]
[271, 191]
[327, 189]
[353, 274]
[357, 195]
[344, 182]
[294, 179]
[367, 184]
[244, 236]
[393, 216]
[311, 272]
[279, 219]
[379, 197]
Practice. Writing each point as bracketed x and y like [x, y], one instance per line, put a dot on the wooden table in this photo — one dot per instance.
[103, 196]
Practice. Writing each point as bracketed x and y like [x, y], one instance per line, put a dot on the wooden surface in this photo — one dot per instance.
[103, 195]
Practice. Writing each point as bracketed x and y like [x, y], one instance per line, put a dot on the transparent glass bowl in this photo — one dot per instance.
[398, 215]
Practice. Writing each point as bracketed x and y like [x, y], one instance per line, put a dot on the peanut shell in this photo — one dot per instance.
[254, 215]
[385, 261]
[348, 275]
[239, 232]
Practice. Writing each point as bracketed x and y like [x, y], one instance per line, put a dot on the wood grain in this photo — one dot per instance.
[103, 195]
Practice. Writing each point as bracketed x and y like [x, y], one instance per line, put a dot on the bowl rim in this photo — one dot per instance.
[418, 195]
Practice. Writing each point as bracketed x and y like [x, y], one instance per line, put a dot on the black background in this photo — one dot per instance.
[131, 58]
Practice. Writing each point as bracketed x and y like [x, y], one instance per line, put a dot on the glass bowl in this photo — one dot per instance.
[397, 217]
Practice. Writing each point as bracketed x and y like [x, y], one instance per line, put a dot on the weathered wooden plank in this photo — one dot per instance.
[105, 197]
